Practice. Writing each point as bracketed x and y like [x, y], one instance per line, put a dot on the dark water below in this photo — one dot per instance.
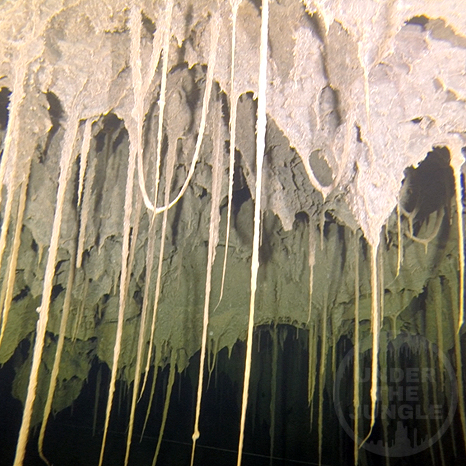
[69, 440]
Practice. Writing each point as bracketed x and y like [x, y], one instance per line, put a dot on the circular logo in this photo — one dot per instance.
[416, 396]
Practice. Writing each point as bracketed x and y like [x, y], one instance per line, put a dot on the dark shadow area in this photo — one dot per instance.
[279, 378]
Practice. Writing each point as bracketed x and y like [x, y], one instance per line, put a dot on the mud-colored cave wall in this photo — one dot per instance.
[356, 95]
[283, 295]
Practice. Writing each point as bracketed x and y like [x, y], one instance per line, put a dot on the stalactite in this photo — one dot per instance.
[380, 268]
[171, 379]
[334, 350]
[85, 209]
[215, 21]
[86, 143]
[457, 162]
[356, 376]
[171, 160]
[136, 396]
[10, 146]
[137, 393]
[134, 237]
[43, 309]
[212, 357]
[384, 353]
[217, 166]
[399, 260]
[137, 368]
[152, 391]
[260, 150]
[160, 43]
[13, 260]
[311, 262]
[375, 328]
[163, 91]
[9, 155]
[87, 173]
[141, 87]
[7, 214]
[58, 355]
[3, 240]
[168, 180]
[322, 371]
[128, 208]
[232, 126]
[135, 26]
